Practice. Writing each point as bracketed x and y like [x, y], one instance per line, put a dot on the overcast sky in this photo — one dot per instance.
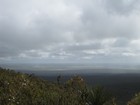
[94, 31]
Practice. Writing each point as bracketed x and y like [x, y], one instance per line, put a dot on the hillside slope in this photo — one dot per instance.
[26, 89]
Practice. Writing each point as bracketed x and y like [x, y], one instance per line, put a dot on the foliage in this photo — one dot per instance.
[135, 100]
[110, 102]
[26, 89]
[98, 96]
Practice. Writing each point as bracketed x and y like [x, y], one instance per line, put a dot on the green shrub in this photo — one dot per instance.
[24, 89]
[98, 96]
[135, 100]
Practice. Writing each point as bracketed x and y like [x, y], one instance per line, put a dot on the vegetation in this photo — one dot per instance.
[26, 89]
[135, 100]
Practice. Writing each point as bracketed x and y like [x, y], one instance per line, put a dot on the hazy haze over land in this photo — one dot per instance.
[70, 31]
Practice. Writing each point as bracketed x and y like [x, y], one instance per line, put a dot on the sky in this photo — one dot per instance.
[69, 31]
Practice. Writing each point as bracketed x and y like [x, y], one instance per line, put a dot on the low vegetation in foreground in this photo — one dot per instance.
[26, 89]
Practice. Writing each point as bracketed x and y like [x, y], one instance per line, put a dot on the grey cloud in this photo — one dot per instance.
[66, 29]
[121, 42]
[81, 47]
[103, 25]
[122, 7]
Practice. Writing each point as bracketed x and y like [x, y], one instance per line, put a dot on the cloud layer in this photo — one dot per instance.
[69, 31]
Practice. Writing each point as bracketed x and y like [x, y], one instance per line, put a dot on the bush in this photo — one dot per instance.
[135, 100]
[23, 89]
[98, 96]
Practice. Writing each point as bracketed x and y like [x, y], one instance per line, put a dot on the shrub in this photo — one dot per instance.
[98, 96]
[24, 89]
[135, 100]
